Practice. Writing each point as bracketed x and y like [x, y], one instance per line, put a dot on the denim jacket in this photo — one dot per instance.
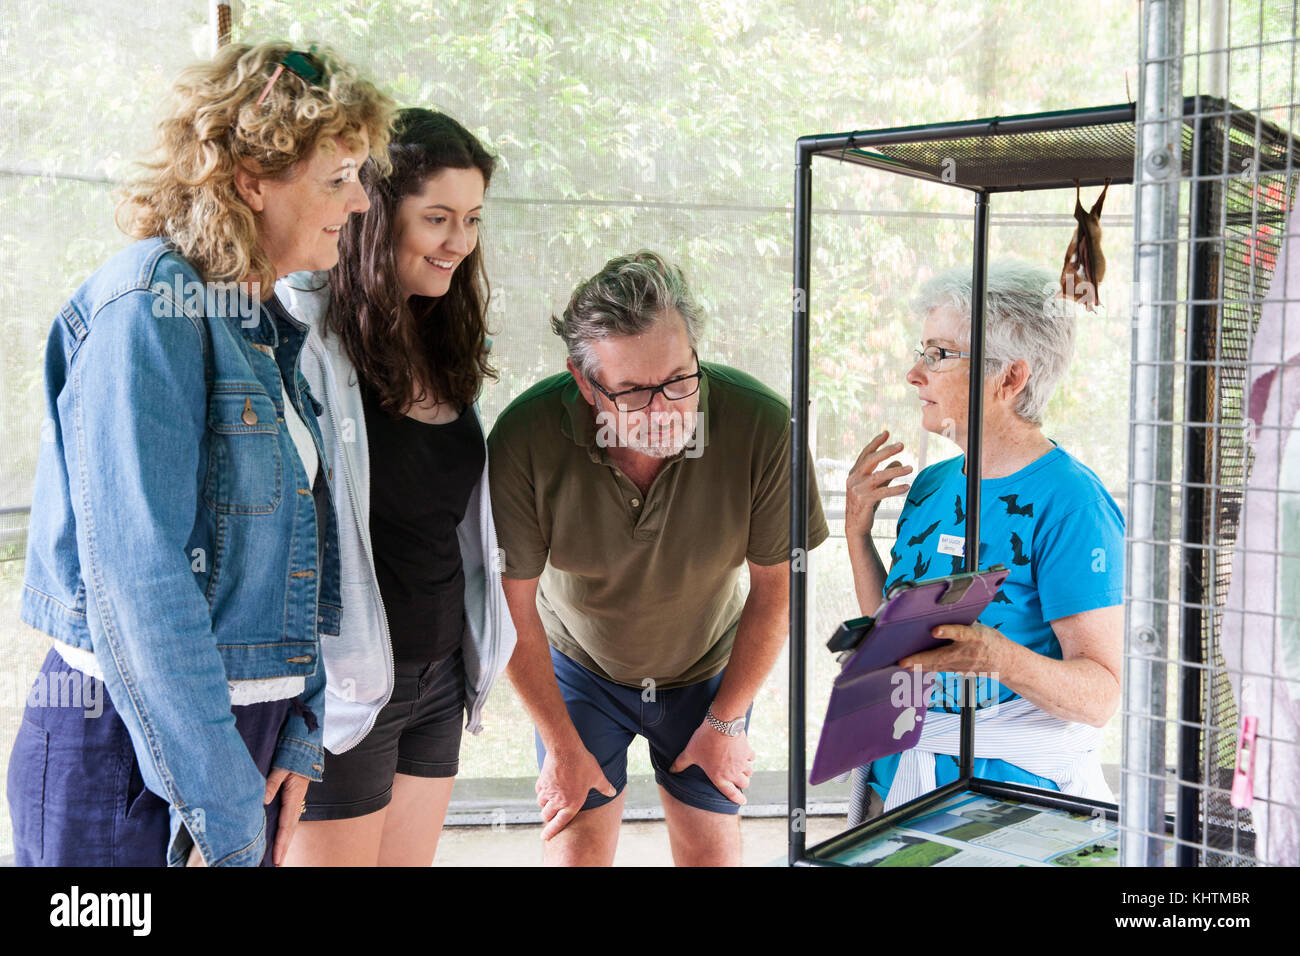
[359, 662]
[172, 534]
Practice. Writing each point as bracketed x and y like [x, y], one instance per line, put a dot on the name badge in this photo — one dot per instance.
[952, 544]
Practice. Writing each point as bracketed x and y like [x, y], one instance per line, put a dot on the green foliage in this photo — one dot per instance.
[672, 125]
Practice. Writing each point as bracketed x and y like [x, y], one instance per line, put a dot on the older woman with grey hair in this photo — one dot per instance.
[1047, 651]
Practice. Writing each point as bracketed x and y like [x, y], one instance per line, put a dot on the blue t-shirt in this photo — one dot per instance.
[1052, 524]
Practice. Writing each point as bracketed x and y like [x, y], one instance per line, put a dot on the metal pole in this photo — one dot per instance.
[797, 810]
[1156, 170]
[974, 455]
[975, 406]
[1215, 64]
[1197, 563]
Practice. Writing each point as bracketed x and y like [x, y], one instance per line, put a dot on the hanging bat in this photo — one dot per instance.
[1085, 265]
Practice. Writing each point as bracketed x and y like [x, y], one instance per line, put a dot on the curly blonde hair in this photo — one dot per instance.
[187, 192]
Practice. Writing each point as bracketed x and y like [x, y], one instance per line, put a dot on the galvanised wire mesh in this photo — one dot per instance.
[1225, 480]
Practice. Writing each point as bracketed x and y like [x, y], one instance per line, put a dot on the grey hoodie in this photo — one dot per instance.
[359, 661]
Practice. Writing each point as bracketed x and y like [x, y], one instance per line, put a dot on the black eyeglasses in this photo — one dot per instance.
[635, 399]
[935, 354]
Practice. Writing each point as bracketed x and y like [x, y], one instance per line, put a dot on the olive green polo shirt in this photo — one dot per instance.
[634, 589]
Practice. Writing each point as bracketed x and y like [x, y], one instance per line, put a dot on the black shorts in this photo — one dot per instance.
[416, 733]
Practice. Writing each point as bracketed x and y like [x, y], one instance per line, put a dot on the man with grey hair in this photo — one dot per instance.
[629, 492]
[1048, 650]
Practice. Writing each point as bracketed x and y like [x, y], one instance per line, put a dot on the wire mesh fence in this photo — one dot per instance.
[1211, 758]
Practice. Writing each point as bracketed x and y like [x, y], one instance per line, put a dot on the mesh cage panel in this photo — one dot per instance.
[1246, 220]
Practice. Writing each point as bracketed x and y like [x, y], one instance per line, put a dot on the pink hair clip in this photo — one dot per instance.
[269, 83]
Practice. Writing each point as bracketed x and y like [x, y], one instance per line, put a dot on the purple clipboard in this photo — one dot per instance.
[876, 709]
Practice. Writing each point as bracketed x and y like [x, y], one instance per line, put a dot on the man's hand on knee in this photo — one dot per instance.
[727, 761]
[567, 777]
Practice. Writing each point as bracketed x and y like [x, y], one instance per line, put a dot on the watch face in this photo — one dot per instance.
[736, 726]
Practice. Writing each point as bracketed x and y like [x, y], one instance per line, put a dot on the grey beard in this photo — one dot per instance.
[660, 450]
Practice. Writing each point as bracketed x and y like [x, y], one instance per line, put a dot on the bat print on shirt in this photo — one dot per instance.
[916, 501]
[1018, 555]
[1015, 508]
[918, 571]
[920, 538]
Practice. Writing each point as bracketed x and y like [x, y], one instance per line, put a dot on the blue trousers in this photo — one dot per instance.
[76, 796]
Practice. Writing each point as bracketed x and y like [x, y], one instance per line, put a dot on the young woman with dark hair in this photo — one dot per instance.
[399, 352]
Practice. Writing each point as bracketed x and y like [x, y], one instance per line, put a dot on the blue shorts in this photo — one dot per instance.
[608, 716]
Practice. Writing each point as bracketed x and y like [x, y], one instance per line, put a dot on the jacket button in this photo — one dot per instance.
[249, 417]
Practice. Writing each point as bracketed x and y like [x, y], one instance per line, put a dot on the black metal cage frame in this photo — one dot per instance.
[1040, 151]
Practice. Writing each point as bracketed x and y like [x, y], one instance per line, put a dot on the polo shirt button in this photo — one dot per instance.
[636, 502]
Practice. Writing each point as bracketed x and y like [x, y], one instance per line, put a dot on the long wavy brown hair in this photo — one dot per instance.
[187, 194]
[401, 348]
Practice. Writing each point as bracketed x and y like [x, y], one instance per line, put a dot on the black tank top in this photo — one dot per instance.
[421, 478]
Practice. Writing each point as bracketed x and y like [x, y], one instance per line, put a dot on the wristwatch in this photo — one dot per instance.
[729, 728]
